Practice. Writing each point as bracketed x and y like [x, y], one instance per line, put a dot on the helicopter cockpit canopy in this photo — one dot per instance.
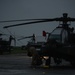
[59, 34]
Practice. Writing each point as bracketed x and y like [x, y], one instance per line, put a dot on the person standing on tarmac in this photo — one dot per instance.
[36, 59]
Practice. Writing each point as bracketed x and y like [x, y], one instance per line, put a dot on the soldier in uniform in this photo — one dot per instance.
[36, 59]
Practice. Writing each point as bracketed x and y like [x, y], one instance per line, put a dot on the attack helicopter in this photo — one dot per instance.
[33, 42]
[61, 41]
[5, 46]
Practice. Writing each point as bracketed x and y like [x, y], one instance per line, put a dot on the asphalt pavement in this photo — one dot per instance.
[20, 64]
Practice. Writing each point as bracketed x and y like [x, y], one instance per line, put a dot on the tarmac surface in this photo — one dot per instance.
[20, 64]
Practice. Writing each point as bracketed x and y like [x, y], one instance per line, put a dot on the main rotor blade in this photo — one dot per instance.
[63, 19]
[33, 22]
[3, 34]
[21, 20]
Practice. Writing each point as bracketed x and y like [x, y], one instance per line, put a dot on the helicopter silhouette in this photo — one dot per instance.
[61, 41]
[32, 41]
[5, 46]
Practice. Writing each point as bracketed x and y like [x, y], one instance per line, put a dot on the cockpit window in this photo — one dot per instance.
[55, 36]
[59, 34]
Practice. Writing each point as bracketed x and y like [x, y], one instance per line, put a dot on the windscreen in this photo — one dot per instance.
[59, 34]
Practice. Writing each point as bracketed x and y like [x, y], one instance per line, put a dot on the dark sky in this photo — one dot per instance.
[26, 9]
